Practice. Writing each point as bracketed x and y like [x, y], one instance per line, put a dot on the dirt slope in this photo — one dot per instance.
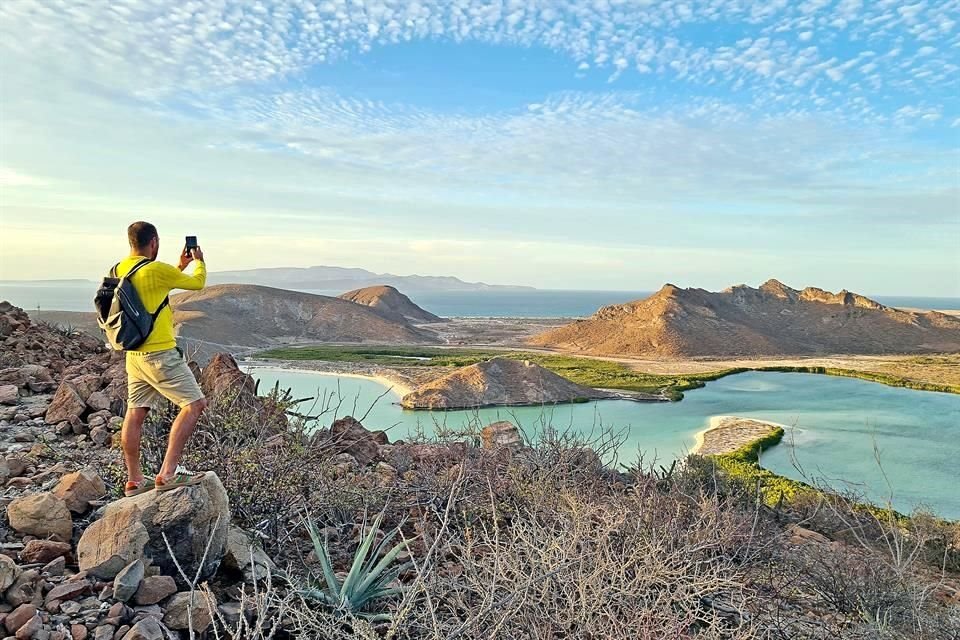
[251, 315]
[497, 382]
[743, 321]
[390, 303]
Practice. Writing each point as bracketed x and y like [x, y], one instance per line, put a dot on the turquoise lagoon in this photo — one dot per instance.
[837, 427]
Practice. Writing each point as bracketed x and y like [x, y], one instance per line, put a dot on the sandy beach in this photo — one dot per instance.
[389, 379]
[728, 433]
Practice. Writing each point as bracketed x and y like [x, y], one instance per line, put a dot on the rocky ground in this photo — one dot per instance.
[482, 514]
[75, 562]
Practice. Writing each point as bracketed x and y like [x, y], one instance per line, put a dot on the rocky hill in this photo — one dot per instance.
[742, 321]
[498, 382]
[390, 303]
[251, 315]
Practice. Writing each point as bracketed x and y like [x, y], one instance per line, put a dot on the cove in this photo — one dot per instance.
[835, 426]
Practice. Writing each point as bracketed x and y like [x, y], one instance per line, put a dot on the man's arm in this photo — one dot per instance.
[174, 278]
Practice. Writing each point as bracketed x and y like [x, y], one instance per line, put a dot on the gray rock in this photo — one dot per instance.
[55, 567]
[147, 629]
[26, 588]
[176, 616]
[9, 394]
[104, 632]
[9, 572]
[128, 581]
[244, 556]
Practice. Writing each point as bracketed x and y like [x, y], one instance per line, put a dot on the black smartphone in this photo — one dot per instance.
[191, 243]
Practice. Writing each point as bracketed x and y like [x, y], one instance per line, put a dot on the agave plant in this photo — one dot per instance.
[368, 578]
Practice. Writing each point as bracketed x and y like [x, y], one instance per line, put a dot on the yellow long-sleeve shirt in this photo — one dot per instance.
[153, 283]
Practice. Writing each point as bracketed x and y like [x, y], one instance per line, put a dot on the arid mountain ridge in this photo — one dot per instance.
[252, 315]
[772, 320]
[391, 304]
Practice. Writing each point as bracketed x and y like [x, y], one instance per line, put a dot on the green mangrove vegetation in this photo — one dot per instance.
[590, 372]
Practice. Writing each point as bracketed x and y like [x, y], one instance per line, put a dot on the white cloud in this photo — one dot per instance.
[11, 178]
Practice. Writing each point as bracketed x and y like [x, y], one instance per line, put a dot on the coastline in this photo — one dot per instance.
[395, 384]
[731, 433]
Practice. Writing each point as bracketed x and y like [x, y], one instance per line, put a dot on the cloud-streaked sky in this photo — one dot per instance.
[568, 144]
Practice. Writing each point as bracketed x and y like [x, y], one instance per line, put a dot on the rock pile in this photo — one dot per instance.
[119, 582]
[24, 342]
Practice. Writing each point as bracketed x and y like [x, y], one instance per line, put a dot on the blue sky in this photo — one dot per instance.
[604, 145]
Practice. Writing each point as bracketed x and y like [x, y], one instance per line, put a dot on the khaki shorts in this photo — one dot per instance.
[160, 374]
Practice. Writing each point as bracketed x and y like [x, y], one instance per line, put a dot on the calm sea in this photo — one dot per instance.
[541, 303]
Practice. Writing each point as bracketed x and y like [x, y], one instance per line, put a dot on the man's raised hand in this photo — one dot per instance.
[186, 258]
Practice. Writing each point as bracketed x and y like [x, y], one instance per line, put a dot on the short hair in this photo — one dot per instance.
[140, 234]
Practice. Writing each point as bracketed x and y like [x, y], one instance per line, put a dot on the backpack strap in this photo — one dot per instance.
[166, 302]
[136, 267]
[113, 271]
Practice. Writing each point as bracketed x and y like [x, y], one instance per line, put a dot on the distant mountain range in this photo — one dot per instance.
[342, 278]
[773, 320]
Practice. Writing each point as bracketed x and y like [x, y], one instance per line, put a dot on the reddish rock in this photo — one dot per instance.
[79, 489]
[68, 590]
[347, 435]
[154, 589]
[43, 551]
[19, 617]
[66, 405]
[29, 628]
[78, 632]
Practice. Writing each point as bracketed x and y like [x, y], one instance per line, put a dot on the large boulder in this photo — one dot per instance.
[133, 528]
[223, 377]
[43, 515]
[66, 406]
[347, 435]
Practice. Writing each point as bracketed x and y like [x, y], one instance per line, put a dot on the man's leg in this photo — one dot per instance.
[181, 431]
[130, 442]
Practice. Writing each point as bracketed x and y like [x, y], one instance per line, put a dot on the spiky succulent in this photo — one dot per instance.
[368, 578]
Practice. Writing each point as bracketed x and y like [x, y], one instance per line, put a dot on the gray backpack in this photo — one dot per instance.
[120, 312]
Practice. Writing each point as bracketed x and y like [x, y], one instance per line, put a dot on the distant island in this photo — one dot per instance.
[328, 278]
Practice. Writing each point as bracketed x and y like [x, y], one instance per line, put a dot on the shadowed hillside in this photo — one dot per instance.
[251, 315]
[390, 303]
[743, 321]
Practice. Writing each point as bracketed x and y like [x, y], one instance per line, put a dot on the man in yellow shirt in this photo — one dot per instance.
[157, 369]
